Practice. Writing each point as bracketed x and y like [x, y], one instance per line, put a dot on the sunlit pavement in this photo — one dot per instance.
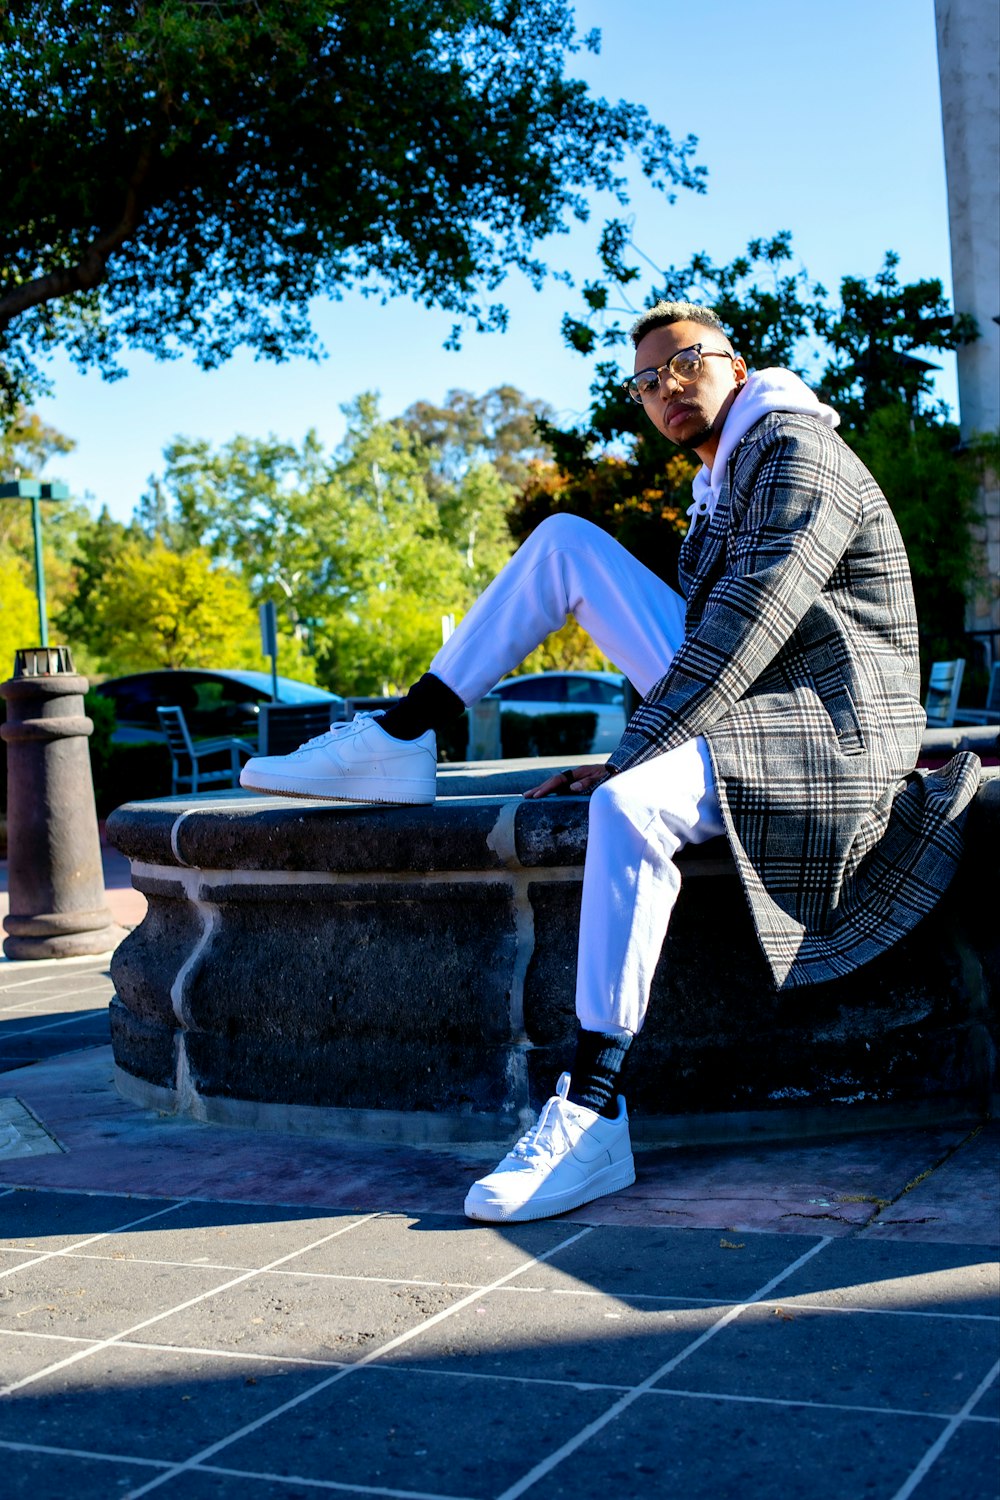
[204, 1311]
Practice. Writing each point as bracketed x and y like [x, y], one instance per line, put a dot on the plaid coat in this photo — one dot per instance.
[799, 668]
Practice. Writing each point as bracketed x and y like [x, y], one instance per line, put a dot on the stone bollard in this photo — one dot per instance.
[56, 881]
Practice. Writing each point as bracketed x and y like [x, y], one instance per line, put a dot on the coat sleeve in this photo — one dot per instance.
[796, 509]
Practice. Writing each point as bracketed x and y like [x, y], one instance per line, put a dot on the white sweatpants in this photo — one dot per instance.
[639, 819]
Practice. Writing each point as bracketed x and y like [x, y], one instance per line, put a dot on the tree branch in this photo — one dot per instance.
[90, 269]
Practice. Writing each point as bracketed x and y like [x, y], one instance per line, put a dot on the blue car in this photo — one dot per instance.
[215, 704]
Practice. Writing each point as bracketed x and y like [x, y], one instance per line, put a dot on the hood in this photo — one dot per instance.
[765, 391]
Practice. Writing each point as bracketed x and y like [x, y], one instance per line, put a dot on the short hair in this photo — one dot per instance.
[664, 313]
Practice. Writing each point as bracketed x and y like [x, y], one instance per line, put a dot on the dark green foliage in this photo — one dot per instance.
[873, 335]
[134, 773]
[500, 428]
[546, 734]
[872, 374]
[101, 712]
[183, 175]
[97, 548]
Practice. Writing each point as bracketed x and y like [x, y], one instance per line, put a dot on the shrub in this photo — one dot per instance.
[547, 734]
[133, 773]
[101, 712]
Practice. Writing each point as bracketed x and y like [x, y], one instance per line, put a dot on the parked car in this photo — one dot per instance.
[214, 703]
[602, 693]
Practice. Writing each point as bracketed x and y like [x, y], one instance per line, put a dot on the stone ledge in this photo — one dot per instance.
[369, 966]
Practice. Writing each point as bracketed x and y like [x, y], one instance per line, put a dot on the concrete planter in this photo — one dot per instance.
[408, 973]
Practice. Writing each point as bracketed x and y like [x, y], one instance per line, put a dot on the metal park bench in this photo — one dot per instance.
[186, 756]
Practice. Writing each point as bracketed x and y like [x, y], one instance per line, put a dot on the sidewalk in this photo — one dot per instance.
[202, 1311]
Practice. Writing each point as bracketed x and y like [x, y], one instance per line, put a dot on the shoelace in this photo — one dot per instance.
[547, 1137]
[334, 732]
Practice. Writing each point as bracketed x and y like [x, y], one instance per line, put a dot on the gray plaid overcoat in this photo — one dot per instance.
[799, 667]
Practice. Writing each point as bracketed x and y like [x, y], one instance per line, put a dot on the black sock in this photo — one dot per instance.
[597, 1068]
[430, 704]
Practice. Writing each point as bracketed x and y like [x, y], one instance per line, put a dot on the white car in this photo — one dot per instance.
[602, 693]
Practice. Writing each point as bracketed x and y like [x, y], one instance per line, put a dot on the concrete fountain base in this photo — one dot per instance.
[408, 973]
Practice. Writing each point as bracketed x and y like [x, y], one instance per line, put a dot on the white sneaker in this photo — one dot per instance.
[570, 1156]
[355, 762]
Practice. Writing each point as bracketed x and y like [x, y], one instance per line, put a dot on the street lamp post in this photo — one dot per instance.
[36, 492]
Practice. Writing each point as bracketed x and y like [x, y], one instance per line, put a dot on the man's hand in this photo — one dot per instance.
[579, 779]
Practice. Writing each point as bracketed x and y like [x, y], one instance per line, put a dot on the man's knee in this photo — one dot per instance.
[666, 807]
[611, 803]
[560, 532]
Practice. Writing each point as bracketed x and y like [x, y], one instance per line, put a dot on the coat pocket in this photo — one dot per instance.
[836, 697]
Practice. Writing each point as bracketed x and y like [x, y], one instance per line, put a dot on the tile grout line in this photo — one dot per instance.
[338, 1486]
[65, 1250]
[165, 1463]
[250, 1356]
[937, 1448]
[226, 1286]
[790, 1401]
[151, 1348]
[23, 984]
[56, 1452]
[94, 989]
[73, 1020]
[197, 1459]
[546, 1465]
[628, 1298]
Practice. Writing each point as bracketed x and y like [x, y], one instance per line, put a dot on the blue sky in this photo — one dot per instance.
[822, 119]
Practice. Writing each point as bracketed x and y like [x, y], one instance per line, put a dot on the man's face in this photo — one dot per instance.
[690, 415]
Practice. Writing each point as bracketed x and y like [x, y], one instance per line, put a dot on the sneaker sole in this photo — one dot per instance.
[389, 794]
[495, 1211]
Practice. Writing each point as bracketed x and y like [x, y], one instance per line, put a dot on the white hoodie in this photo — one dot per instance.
[765, 391]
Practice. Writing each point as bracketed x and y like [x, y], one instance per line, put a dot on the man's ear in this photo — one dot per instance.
[740, 371]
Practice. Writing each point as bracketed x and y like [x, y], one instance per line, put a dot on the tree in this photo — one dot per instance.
[19, 615]
[187, 175]
[872, 336]
[350, 545]
[26, 446]
[932, 492]
[872, 375]
[475, 517]
[99, 547]
[157, 608]
[500, 428]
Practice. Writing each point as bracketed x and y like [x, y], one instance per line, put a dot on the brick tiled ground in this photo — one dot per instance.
[197, 1311]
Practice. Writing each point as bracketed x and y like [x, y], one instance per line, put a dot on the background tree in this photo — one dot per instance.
[859, 352]
[18, 614]
[158, 608]
[478, 451]
[182, 175]
[27, 445]
[350, 545]
[500, 428]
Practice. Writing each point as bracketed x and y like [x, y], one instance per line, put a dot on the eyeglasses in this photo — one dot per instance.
[685, 367]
